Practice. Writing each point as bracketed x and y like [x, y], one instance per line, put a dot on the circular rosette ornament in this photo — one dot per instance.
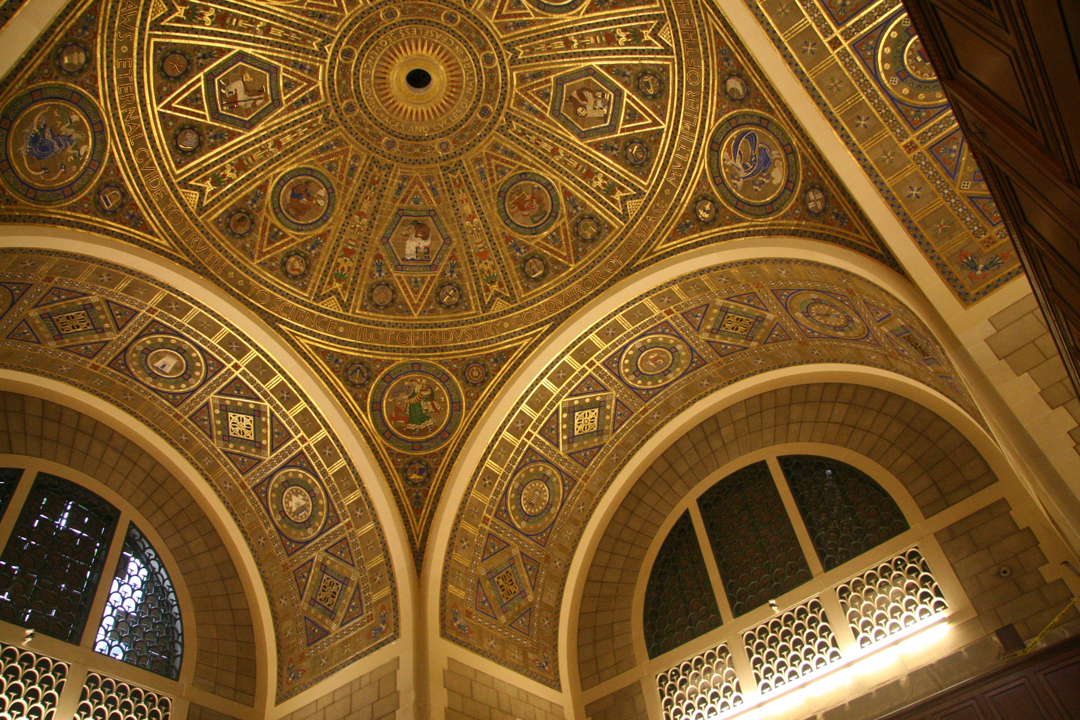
[416, 406]
[53, 144]
[905, 68]
[753, 164]
[534, 497]
[297, 504]
[824, 314]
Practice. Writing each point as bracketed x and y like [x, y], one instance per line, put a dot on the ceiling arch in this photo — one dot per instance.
[243, 423]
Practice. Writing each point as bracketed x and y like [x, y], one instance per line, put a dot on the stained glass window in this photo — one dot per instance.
[756, 549]
[845, 511]
[141, 624]
[53, 561]
[679, 601]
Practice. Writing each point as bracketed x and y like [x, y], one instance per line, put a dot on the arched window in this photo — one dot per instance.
[141, 624]
[769, 529]
[50, 570]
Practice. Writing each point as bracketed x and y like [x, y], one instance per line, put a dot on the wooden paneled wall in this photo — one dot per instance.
[1011, 71]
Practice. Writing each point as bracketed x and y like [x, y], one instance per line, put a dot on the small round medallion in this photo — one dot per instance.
[528, 203]
[187, 140]
[166, 363]
[295, 265]
[297, 504]
[110, 198]
[736, 88]
[534, 268]
[649, 84]
[534, 497]
[587, 228]
[655, 360]
[449, 295]
[302, 199]
[73, 58]
[240, 223]
[174, 65]
[356, 373]
[705, 210]
[417, 473]
[382, 295]
[475, 373]
[825, 314]
[905, 67]
[816, 200]
[636, 153]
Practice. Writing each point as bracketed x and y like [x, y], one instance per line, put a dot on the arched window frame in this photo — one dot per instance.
[82, 662]
[822, 585]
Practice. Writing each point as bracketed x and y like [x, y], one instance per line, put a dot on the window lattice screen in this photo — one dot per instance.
[30, 684]
[701, 687]
[53, 561]
[141, 624]
[105, 698]
[791, 645]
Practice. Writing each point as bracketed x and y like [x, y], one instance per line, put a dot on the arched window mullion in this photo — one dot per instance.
[101, 595]
[797, 521]
[14, 504]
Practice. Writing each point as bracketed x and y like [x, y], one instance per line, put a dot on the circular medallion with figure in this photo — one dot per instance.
[753, 164]
[416, 406]
[528, 203]
[53, 144]
[534, 497]
[654, 360]
[302, 199]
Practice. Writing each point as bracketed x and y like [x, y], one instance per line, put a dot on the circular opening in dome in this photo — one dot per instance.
[418, 79]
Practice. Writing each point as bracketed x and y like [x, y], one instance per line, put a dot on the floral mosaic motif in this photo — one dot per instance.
[752, 538]
[791, 645]
[679, 601]
[59, 518]
[30, 684]
[102, 696]
[845, 511]
[703, 686]
[141, 624]
[888, 599]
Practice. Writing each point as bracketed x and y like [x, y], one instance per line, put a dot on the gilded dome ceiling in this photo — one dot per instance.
[416, 196]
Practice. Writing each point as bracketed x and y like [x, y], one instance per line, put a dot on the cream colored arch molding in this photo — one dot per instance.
[601, 398]
[241, 412]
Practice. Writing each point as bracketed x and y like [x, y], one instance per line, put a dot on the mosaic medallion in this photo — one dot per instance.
[110, 198]
[242, 90]
[73, 58]
[825, 314]
[297, 504]
[357, 373]
[905, 68]
[295, 265]
[534, 497]
[53, 144]
[753, 164]
[240, 223]
[557, 7]
[736, 87]
[416, 83]
[167, 363]
[528, 203]
[654, 360]
[587, 228]
[475, 373]
[649, 84]
[302, 199]
[174, 65]
[416, 406]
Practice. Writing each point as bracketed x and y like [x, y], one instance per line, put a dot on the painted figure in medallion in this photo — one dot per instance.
[528, 204]
[417, 399]
[417, 237]
[751, 158]
[305, 199]
[241, 93]
[589, 102]
[53, 147]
